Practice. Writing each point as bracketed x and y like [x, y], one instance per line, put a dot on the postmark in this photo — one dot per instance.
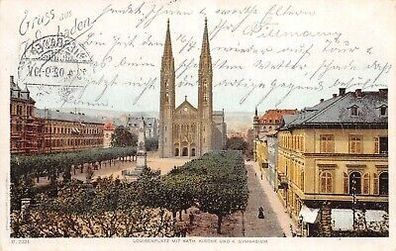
[55, 64]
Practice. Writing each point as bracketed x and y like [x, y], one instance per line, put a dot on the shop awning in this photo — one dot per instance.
[342, 219]
[309, 215]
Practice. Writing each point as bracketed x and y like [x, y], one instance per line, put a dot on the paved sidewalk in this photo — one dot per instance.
[283, 218]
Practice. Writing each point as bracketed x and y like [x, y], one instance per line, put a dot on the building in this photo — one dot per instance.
[151, 127]
[26, 137]
[335, 152]
[108, 131]
[186, 130]
[270, 121]
[265, 154]
[65, 132]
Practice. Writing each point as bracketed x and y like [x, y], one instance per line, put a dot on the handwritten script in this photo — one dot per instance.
[263, 54]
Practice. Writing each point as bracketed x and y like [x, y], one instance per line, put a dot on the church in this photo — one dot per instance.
[187, 131]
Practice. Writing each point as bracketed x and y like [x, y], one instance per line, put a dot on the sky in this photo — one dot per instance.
[267, 54]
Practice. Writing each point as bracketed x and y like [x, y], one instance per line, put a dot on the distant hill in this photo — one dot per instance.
[236, 121]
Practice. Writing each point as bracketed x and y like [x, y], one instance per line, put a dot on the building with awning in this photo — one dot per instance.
[335, 152]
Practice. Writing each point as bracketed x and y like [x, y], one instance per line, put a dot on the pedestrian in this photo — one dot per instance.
[261, 213]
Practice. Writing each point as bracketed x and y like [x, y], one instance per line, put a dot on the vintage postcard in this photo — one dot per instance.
[184, 124]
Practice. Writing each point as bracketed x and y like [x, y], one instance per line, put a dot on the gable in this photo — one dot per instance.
[185, 109]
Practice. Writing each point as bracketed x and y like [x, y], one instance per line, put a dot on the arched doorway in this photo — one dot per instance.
[193, 152]
[383, 183]
[185, 151]
[176, 151]
[355, 183]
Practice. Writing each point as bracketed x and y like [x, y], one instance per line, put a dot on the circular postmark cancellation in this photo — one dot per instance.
[55, 64]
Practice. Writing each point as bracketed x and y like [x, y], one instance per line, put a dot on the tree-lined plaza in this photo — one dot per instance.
[151, 206]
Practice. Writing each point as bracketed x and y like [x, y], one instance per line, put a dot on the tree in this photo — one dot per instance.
[237, 143]
[123, 137]
[105, 208]
[151, 144]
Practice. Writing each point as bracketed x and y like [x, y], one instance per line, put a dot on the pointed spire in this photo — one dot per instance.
[205, 41]
[168, 43]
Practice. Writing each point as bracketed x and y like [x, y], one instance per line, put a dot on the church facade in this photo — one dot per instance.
[187, 131]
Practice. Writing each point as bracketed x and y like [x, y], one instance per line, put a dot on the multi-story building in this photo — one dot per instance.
[336, 152]
[133, 123]
[26, 137]
[270, 121]
[64, 132]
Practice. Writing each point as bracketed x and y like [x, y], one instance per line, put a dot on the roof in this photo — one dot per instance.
[63, 116]
[336, 112]
[186, 104]
[108, 126]
[218, 113]
[273, 115]
[16, 92]
[150, 121]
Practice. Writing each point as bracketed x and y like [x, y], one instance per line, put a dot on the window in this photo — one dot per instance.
[355, 144]
[302, 181]
[383, 183]
[326, 143]
[355, 183]
[326, 182]
[383, 145]
[383, 111]
[366, 183]
[354, 111]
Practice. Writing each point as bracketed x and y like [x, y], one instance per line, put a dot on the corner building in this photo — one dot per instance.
[336, 152]
[186, 131]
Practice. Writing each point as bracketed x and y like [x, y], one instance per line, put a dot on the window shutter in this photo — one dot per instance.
[375, 183]
[346, 185]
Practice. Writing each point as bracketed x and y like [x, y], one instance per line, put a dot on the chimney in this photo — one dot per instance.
[334, 95]
[342, 91]
[11, 79]
[383, 92]
[358, 93]
[321, 100]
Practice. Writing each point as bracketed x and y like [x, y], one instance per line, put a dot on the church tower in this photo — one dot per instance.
[205, 109]
[167, 98]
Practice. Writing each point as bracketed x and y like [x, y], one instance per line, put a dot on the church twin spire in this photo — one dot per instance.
[168, 43]
[205, 51]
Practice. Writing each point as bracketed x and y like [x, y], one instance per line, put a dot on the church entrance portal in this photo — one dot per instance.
[177, 152]
[185, 151]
